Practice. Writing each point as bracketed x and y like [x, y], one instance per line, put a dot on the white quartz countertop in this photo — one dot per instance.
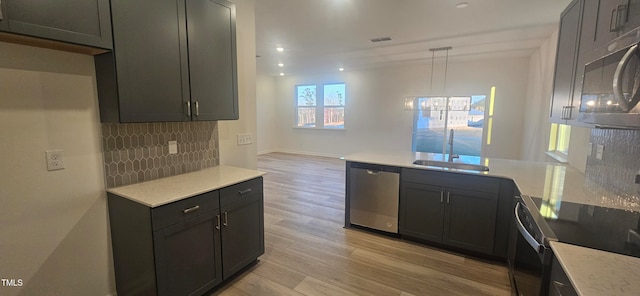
[594, 272]
[547, 180]
[166, 190]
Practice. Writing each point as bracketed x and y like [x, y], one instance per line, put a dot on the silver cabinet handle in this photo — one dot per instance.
[188, 108]
[226, 219]
[558, 287]
[448, 199]
[243, 192]
[197, 108]
[441, 196]
[191, 209]
[1, 17]
[613, 20]
[618, 94]
[372, 172]
[218, 222]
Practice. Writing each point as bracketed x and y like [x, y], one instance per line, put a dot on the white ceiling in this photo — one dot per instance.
[320, 36]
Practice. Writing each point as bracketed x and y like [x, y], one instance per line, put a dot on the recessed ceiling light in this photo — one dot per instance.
[462, 5]
[341, 69]
[281, 74]
[280, 65]
[280, 49]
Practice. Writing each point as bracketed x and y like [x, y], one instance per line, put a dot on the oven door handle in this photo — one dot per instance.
[618, 94]
[527, 236]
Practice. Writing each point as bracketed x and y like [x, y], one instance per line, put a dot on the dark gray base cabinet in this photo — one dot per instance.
[175, 64]
[186, 247]
[86, 22]
[447, 214]
[560, 285]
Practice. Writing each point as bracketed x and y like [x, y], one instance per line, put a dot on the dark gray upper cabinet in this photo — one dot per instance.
[145, 77]
[212, 59]
[73, 21]
[615, 17]
[562, 108]
[4, 25]
[176, 64]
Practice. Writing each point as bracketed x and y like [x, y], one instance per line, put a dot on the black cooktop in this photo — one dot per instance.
[590, 226]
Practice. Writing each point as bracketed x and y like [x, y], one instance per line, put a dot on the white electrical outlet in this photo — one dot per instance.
[55, 160]
[589, 149]
[245, 139]
[173, 147]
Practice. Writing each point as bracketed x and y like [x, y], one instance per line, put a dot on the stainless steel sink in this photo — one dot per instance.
[452, 165]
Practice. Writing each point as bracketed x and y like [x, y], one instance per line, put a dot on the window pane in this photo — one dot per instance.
[306, 116]
[306, 95]
[334, 117]
[334, 95]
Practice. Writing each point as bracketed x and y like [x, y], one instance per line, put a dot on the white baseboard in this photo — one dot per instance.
[308, 153]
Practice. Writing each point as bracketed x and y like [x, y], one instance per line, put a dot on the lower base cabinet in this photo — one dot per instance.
[187, 247]
[560, 284]
[433, 207]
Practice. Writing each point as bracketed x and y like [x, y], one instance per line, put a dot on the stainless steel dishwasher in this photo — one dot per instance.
[374, 196]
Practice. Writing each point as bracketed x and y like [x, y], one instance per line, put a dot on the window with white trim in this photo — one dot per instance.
[327, 113]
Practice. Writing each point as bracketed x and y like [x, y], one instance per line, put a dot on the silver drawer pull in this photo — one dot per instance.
[226, 219]
[218, 222]
[243, 192]
[191, 209]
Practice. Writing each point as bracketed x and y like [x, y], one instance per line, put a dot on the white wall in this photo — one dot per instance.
[230, 152]
[375, 115]
[53, 225]
[539, 94]
[267, 116]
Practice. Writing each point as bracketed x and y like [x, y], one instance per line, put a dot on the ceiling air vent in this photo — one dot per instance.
[381, 39]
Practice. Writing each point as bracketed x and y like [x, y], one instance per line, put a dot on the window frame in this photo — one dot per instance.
[320, 106]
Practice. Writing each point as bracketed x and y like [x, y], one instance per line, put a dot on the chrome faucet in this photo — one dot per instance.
[451, 154]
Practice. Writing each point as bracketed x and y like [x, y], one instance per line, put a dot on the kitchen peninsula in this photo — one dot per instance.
[551, 182]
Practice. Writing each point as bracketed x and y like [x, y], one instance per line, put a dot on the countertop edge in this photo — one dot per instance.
[179, 187]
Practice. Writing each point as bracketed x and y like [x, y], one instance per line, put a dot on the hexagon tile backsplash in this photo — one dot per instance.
[138, 152]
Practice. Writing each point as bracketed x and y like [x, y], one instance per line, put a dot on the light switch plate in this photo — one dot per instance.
[173, 147]
[589, 149]
[599, 151]
[245, 139]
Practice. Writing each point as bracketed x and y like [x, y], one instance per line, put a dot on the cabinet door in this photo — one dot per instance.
[242, 234]
[633, 15]
[86, 22]
[212, 59]
[470, 220]
[188, 256]
[566, 56]
[421, 211]
[3, 16]
[151, 60]
[560, 285]
[609, 22]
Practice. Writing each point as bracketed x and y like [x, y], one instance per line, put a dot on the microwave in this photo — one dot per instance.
[611, 82]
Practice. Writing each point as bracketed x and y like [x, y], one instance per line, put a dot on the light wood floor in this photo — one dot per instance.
[308, 252]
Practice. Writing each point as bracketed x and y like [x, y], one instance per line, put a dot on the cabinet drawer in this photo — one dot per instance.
[185, 209]
[246, 190]
[454, 180]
